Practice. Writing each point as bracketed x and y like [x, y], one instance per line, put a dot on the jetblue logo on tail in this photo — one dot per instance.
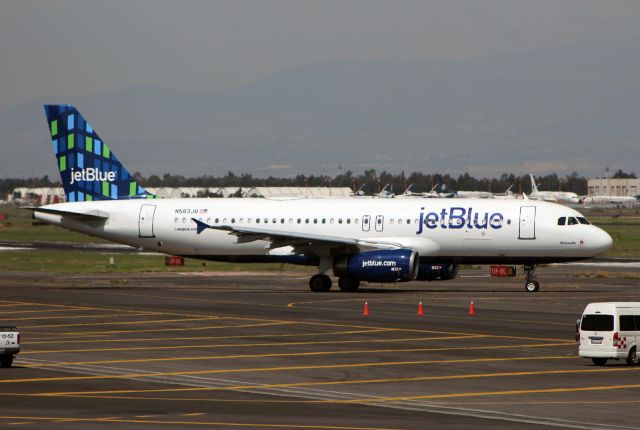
[91, 174]
[88, 168]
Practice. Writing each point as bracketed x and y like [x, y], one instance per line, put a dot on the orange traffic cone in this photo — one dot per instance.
[420, 309]
[472, 309]
[365, 311]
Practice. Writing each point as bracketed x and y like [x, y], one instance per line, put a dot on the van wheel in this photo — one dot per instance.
[598, 361]
[632, 358]
[6, 361]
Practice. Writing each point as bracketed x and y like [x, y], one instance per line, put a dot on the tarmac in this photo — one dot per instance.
[260, 350]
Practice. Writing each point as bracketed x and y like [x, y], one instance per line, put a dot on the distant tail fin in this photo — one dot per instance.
[534, 187]
[88, 169]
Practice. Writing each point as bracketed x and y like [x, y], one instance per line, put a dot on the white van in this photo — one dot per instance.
[610, 330]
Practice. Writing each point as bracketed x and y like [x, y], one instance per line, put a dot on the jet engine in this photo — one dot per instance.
[437, 272]
[397, 265]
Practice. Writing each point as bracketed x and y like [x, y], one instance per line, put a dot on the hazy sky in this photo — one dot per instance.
[60, 47]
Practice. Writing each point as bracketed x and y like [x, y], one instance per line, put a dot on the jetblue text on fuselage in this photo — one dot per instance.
[92, 174]
[457, 217]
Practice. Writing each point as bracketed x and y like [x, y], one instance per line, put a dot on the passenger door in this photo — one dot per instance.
[527, 223]
[145, 221]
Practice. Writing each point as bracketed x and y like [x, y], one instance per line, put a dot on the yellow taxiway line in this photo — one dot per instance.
[296, 354]
[276, 369]
[246, 345]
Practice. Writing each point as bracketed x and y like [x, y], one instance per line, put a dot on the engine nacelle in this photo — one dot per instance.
[397, 265]
[437, 272]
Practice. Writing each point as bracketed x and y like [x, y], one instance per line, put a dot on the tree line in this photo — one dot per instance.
[371, 181]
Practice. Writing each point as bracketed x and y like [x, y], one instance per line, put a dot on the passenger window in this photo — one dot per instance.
[626, 323]
[315, 220]
[290, 220]
[408, 221]
[233, 220]
[391, 221]
[339, 220]
[356, 221]
[241, 220]
[636, 319]
[348, 220]
[217, 220]
[331, 221]
[208, 220]
[184, 220]
[281, 220]
[572, 221]
[257, 220]
[274, 220]
[306, 221]
[299, 220]
[324, 220]
[562, 220]
[266, 220]
[175, 220]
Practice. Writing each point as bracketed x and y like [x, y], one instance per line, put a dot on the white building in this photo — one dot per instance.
[613, 187]
[37, 196]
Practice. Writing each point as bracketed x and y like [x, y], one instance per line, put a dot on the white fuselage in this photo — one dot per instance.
[439, 229]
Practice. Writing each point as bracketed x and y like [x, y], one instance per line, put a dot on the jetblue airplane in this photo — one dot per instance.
[356, 239]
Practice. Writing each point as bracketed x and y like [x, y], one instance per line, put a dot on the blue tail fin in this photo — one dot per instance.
[88, 169]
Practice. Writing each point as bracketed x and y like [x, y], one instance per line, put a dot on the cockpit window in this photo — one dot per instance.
[572, 221]
[562, 220]
[583, 220]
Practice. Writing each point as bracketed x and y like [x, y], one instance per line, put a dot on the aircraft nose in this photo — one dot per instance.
[600, 241]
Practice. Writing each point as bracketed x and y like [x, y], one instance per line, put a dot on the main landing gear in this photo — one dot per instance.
[531, 285]
[320, 283]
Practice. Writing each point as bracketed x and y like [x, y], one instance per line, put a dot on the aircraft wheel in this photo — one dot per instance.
[348, 284]
[320, 283]
[532, 286]
[598, 361]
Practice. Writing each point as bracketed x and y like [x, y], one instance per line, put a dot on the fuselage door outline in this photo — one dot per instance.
[145, 221]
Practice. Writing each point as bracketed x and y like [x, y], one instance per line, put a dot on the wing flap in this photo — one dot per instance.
[295, 239]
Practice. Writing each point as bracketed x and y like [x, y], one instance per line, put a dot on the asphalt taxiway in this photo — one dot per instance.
[259, 350]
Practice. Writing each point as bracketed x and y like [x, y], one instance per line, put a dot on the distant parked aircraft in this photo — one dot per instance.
[610, 200]
[552, 196]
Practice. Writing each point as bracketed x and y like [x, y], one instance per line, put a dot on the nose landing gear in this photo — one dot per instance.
[531, 285]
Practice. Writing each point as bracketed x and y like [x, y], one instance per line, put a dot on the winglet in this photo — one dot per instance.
[201, 226]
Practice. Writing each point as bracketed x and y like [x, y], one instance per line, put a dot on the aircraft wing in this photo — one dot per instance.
[92, 215]
[296, 239]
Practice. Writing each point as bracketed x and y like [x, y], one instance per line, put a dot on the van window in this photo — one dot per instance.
[597, 322]
[626, 323]
[637, 321]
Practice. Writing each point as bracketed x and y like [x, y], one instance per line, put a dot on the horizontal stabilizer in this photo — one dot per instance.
[92, 215]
